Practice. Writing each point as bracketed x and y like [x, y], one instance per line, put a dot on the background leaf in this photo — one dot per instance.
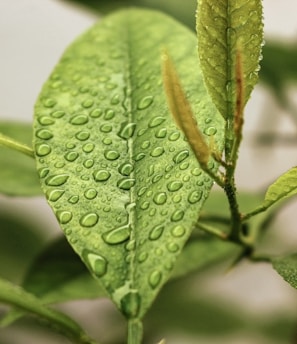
[287, 268]
[18, 175]
[16, 296]
[222, 28]
[285, 186]
[116, 171]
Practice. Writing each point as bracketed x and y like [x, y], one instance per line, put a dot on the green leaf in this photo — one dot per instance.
[287, 268]
[119, 176]
[13, 295]
[285, 186]
[18, 175]
[223, 28]
[58, 275]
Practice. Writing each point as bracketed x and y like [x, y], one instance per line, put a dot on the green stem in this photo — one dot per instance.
[212, 230]
[20, 147]
[254, 212]
[135, 331]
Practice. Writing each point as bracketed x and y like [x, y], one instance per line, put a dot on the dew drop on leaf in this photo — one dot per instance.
[126, 169]
[131, 303]
[71, 156]
[89, 220]
[155, 279]
[44, 134]
[56, 180]
[156, 232]
[161, 133]
[174, 186]
[45, 120]
[156, 152]
[101, 175]
[58, 114]
[79, 120]
[54, 195]
[87, 103]
[64, 216]
[172, 247]
[117, 235]
[154, 122]
[96, 263]
[160, 198]
[106, 128]
[126, 183]
[194, 197]
[181, 156]
[96, 113]
[82, 135]
[178, 231]
[145, 102]
[177, 215]
[127, 130]
[42, 149]
[88, 163]
[88, 147]
[73, 199]
[111, 155]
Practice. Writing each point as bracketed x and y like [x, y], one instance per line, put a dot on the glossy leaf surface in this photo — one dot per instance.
[224, 27]
[117, 172]
[18, 175]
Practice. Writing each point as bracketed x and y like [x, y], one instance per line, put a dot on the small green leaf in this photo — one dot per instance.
[18, 175]
[287, 268]
[223, 26]
[13, 295]
[119, 176]
[285, 186]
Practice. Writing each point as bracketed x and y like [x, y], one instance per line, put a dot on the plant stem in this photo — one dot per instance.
[20, 147]
[212, 230]
[254, 212]
[135, 331]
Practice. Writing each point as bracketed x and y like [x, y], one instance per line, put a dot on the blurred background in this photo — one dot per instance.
[250, 303]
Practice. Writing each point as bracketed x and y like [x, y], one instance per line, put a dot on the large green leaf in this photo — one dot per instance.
[118, 174]
[13, 295]
[18, 175]
[225, 28]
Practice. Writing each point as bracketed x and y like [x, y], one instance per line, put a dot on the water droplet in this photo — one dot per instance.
[145, 144]
[42, 149]
[70, 145]
[127, 130]
[125, 169]
[49, 103]
[174, 186]
[156, 232]
[130, 304]
[160, 198]
[111, 155]
[181, 156]
[210, 131]
[88, 147]
[117, 235]
[154, 122]
[160, 134]
[174, 136]
[43, 172]
[44, 134]
[145, 102]
[115, 99]
[79, 120]
[58, 114]
[155, 279]
[158, 151]
[139, 156]
[186, 178]
[177, 215]
[87, 103]
[106, 128]
[141, 191]
[82, 135]
[141, 132]
[107, 141]
[184, 165]
[195, 196]
[172, 247]
[96, 263]
[144, 205]
[89, 220]
[90, 194]
[45, 120]
[109, 114]
[196, 171]
[156, 178]
[56, 180]
[178, 231]
[88, 163]
[54, 195]
[126, 184]
[142, 257]
[96, 113]
[73, 199]
[101, 175]
[59, 164]
[64, 216]
[71, 156]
